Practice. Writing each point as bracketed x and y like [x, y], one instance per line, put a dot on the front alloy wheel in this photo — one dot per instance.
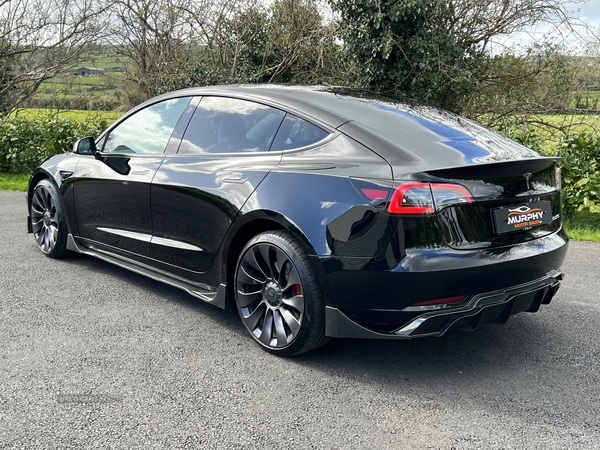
[48, 221]
[277, 295]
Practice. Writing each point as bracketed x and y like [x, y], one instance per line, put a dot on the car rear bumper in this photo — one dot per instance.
[484, 308]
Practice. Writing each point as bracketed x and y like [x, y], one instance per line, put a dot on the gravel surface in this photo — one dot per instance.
[94, 356]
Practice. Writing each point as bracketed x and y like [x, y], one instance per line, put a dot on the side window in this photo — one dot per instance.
[225, 125]
[296, 132]
[147, 131]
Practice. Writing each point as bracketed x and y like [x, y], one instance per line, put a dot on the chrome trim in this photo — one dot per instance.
[175, 244]
[437, 307]
[128, 234]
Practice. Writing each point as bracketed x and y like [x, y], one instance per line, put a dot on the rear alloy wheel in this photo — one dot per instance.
[277, 295]
[48, 221]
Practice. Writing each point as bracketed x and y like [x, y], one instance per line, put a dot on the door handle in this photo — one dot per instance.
[239, 180]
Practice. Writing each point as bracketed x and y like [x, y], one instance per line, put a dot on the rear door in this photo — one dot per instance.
[198, 191]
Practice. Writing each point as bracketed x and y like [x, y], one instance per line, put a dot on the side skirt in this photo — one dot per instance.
[205, 293]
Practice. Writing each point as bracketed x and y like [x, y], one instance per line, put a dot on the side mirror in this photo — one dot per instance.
[85, 146]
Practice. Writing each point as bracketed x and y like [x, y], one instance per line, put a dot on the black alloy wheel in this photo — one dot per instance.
[48, 221]
[277, 295]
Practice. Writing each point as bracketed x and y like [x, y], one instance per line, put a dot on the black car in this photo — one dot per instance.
[315, 212]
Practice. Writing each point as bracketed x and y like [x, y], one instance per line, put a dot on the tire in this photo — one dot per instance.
[48, 220]
[277, 295]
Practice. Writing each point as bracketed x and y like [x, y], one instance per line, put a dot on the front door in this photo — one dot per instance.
[112, 188]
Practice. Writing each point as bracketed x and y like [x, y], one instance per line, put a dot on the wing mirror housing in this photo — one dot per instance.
[85, 146]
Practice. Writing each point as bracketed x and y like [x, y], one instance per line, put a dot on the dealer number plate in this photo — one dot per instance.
[519, 217]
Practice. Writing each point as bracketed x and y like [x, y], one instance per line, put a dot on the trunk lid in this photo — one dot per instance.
[512, 202]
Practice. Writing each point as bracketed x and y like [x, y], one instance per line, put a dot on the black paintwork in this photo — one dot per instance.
[184, 218]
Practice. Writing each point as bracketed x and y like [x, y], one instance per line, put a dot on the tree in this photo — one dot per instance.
[286, 41]
[433, 50]
[7, 61]
[541, 80]
[39, 40]
[170, 44]
[297, 46]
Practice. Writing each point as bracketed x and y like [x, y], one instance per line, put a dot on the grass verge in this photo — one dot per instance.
[584, 226]
[13, 182]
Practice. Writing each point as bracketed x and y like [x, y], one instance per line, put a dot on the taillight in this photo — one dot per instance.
[411, 198]
[424, 198]
[376, 195]
[376, 192]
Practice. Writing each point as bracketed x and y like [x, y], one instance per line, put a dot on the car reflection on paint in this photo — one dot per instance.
[313, 212]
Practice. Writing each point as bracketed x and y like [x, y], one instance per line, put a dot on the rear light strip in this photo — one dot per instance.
[437, 304]
[441, 301]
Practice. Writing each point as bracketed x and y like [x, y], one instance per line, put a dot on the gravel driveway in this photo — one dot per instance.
[94, 356]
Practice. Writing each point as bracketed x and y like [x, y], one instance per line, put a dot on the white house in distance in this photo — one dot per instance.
[89, 72]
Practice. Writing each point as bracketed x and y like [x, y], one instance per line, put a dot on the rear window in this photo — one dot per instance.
[296, 132]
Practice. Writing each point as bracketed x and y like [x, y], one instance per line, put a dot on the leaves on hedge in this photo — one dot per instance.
[25, 142]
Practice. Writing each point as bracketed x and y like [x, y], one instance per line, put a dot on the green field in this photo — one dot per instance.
[109, 80]
[588, 99]
[552, 124]
[545, 131]
[74, 114]
[13, 182]
[102, 60]
[76, 92]
[585, 225]
[553, 127]
[572, 123]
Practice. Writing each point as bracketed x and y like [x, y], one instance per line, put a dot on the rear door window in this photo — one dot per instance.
[227, 125]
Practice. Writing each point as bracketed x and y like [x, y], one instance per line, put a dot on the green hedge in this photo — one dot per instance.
[580, 165]
[25, 142]
[580, 170]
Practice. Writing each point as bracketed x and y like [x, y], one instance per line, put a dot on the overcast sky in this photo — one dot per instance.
[591, 12]
[587, 13]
